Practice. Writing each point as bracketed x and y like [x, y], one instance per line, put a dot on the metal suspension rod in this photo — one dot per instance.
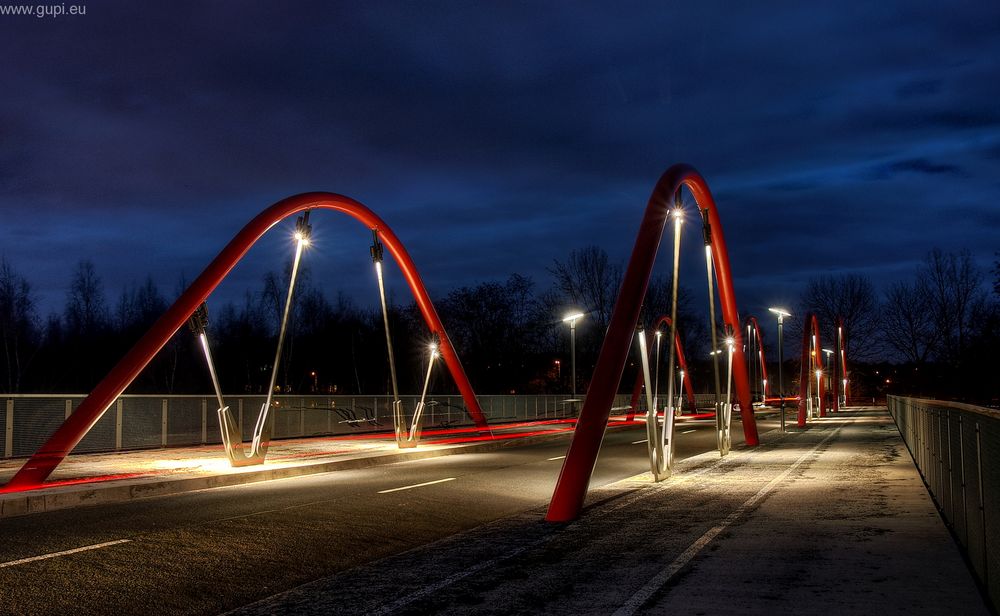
[232, 439]
[656, 372]
[414, 427]
[302, 232]
[726, 436]
[653, 442]
[199, 325]
[707, 229]
[397, 407]
[668, 415]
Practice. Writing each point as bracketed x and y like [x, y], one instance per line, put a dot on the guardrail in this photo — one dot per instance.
[152, 421]
[956, 448]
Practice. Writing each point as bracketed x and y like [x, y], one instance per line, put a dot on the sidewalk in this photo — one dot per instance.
[89, 479]
[833, 519]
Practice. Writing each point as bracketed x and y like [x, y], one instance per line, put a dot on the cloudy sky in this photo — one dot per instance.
[495, 137]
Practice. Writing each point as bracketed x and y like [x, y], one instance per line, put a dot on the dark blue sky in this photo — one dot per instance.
[495, 137]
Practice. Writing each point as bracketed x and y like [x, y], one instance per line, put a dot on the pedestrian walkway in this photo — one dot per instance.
[832, 519]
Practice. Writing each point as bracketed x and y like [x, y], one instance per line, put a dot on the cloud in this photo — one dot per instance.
[505, 134]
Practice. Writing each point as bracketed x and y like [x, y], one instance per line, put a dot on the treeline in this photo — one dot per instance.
[509, 335]
[933, 334]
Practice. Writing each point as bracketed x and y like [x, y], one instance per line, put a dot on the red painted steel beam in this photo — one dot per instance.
[688, 387]
[810, 328]
[763, 358]
[69, 434]
[574, 478]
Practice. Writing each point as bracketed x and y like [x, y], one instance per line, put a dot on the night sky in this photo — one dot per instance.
[495, 137]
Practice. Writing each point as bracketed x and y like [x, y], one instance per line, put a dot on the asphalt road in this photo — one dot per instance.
[211, 551]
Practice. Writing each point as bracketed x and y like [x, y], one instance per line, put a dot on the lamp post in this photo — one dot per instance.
[781, 380]
[572, 319]
[832, 379]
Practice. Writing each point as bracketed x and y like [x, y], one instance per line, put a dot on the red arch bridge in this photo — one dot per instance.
[739, 364]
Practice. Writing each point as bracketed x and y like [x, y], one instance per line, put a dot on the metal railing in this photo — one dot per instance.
[956, 448]
[151, 421]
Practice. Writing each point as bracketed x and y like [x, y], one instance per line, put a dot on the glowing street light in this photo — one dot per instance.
[572, 319]
[781, 313]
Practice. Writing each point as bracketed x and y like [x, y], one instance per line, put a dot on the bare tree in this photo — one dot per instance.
[18, 331]
[590, 281]
[851, 297]
[955, 287]
[908, 321]
[86, 310]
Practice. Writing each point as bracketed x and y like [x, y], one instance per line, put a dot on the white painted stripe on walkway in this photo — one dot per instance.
[86, 548]
[638, 442]
[660, 579]
[688, 431]
[417, 485]
[556, 458]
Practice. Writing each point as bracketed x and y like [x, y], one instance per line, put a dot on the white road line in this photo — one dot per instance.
[660, 579]
[85, 548]
[688, 431]
[417, 485]
[574, 526]
[642, 441]
[556, 458]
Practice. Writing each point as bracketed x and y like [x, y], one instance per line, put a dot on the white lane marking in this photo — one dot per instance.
[688, 431]
[642, 441]
[85, 548]
[556, 458]
[417, 485]
[660, 579]
[574, 526]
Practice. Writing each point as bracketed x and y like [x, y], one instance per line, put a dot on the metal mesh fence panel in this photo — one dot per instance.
[184, 421]
[102, 436]
[141, 422]
[958, 511]
[3, 428]
[990, 449]
[35, 419]
[974, 518]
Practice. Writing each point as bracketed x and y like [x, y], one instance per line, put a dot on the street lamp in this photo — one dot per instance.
[833, 375]
[781, 380]
[572, 319]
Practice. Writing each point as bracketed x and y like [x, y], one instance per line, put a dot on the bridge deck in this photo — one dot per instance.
[832, 519]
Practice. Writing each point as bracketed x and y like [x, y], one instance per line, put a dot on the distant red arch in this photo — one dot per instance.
[69, 434]
[688, 387]
[810, 351]
[763, 359]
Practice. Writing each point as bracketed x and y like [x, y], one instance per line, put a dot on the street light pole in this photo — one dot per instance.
[832, 378]
[781, 380]
[572, 319]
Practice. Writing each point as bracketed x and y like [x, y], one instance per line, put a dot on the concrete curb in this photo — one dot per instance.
[53, 499]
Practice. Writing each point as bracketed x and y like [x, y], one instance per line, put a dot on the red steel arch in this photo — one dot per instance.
[581, 457]
[810, 329]
[763, 360]
[688, 387]
[69, 434]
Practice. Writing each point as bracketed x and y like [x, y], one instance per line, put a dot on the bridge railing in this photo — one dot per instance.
[152, 421]
[956, 448]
